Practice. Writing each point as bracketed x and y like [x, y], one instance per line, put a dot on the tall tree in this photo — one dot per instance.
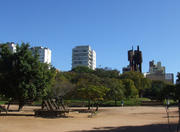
[61, 86]
[146, 85]
[116, 89]
[177, 97]
[82, 69]
[106, 73]
[157, 90]
[130, 89]
[90, 88]
[178, 77]
[138, 80]
[25, 77]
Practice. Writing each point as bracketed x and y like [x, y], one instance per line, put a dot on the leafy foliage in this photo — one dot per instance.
[158, 91]
[131, 90]
[116, 91]
[178, 76]
[82, 69]
[22, 76]
[90, 88]
[177, 88]
[105, 73]
[138, 79]
[61, 86]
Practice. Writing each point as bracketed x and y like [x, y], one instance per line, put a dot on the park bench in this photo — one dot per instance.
[51, 109]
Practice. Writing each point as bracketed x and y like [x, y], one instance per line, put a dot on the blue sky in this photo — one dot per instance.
[110, 27]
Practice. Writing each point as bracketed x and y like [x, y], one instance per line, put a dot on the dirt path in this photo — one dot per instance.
[111, 119]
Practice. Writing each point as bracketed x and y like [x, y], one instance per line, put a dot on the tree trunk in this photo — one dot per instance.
[8, 105]
[21, 104]
[115, 102]
[97, 107]
[179, 115]
[89, 104]
[140, 94]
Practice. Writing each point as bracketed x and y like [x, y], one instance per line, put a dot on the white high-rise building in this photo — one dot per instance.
[11, 46]
[44, 54]
[83, 56]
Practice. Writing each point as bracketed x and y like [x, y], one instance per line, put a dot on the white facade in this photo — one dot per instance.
[83, 56]
[93, 60]
[11, 46]
[44, 54]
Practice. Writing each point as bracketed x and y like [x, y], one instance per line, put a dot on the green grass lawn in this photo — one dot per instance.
[37, 103]
[84, 103]
[3, 102]
[127, 102]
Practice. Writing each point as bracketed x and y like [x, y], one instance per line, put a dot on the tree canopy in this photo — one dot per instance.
[22, 76]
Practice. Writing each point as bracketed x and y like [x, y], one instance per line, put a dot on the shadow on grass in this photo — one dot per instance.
[145, 128]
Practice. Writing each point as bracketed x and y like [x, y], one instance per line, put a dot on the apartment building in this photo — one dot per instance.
[157, 72]
[83, 56]
[156, 68]
[44, 54]
[11, 46]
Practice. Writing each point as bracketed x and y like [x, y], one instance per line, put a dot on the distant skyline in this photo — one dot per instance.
[110, 27]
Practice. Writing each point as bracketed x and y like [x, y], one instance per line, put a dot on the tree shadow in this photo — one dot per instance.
[53, 117]
[22, 114]
[14, 114]
[145, 128]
